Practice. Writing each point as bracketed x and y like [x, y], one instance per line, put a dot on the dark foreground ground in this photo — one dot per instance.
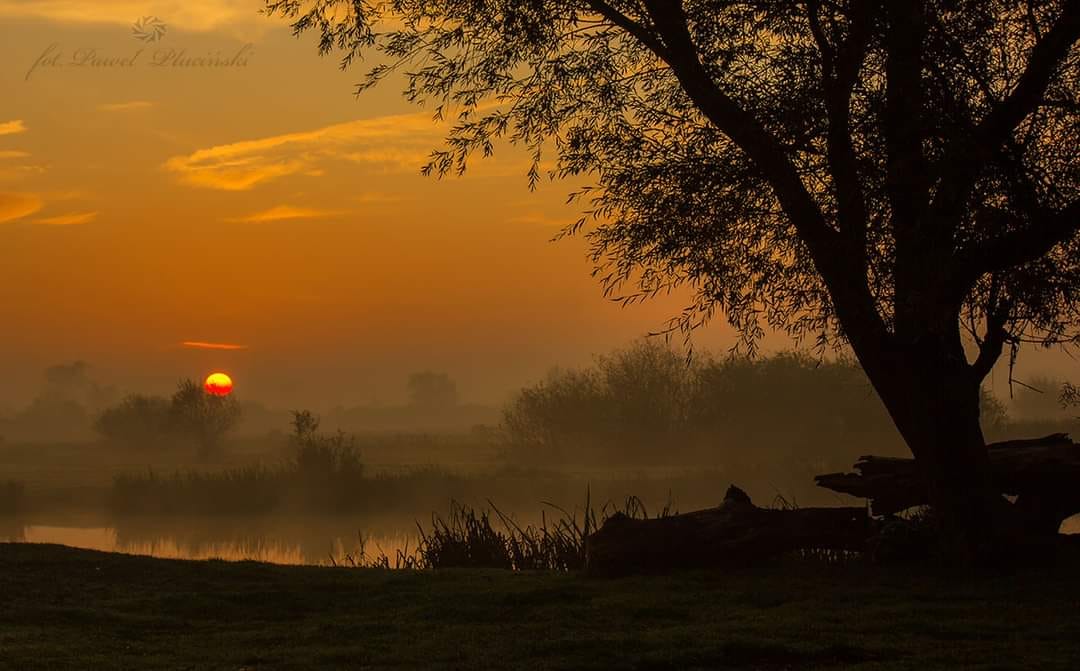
[62, 608]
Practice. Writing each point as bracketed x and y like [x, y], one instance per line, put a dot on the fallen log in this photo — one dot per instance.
[735, 533]
[1042, 473]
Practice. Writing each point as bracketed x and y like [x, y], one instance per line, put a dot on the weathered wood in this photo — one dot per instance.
[1043, 473]
[735, 533]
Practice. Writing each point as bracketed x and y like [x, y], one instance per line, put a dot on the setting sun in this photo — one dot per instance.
[218, 384]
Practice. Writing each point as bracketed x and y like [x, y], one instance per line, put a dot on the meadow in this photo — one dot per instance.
[75, 609]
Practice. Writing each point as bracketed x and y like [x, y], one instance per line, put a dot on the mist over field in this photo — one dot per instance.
[155, 473]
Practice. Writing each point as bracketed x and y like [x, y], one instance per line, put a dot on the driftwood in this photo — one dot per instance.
[735, 533]
[1043, 474]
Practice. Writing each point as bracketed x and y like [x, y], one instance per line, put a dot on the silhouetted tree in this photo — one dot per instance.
[320, 457]
[432, 391]
[889, 174]
[202, 417]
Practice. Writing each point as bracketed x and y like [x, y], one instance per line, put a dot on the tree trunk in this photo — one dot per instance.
[934, 402]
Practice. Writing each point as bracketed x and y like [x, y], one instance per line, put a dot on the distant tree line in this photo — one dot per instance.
[649, 405]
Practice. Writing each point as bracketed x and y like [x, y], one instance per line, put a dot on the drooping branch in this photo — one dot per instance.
[738, 124]
[967, 152]
[841, 270]
[729, 157]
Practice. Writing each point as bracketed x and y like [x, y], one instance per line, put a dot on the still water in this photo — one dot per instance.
[294, 541]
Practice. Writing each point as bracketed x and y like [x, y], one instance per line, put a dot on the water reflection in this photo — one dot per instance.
[291, 543]
[282, 541]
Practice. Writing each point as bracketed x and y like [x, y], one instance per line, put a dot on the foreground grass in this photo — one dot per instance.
[68, 608]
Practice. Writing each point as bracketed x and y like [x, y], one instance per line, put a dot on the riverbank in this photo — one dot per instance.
[66, 608]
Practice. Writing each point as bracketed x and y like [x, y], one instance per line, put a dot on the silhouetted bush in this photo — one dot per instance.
[647, 405]
[136, 420]
[316, 455]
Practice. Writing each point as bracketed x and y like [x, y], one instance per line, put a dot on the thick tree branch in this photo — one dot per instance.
[1022, 243]
[840, 70]
[965, 154]
[634, 28]
[745, 130]
[843, 274]
[918, 246]
[993, 342]
[906, 162]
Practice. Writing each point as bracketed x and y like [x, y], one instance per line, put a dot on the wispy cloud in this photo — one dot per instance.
[195, 344]
[236, 174]
[13, 154]
[72, 219]
[12, 127]
[284, 212]
[398, 142]
[18, 172]
[18, 205]
[126, 106]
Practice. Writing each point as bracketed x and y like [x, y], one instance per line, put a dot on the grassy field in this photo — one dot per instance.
[64, 608]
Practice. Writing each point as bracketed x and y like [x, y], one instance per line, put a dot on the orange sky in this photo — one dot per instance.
[263, 205]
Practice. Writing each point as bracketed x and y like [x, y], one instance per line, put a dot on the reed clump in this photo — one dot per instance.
[467, 537]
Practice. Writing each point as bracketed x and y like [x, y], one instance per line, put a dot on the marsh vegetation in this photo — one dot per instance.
[641, 424]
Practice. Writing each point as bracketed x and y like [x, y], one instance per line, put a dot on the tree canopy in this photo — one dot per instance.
[899, 176]
[785, 160]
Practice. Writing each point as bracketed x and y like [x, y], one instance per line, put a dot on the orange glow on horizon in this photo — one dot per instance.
[218, 384]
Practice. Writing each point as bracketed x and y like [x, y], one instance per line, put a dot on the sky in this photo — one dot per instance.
[148, 199]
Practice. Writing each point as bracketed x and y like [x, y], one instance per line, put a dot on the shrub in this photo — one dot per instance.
[136, 420]
[319, 456]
